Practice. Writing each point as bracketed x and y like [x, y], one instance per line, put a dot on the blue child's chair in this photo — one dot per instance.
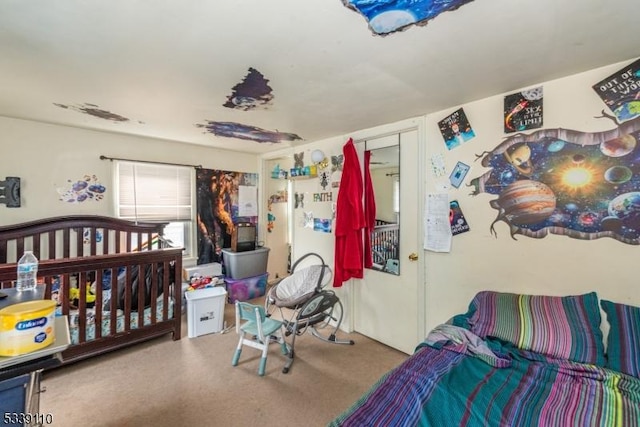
[256, 330]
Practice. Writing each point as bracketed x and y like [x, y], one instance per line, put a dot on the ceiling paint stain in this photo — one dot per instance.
[95, 111]
[386, 16]
[240, 131]
[253, 92]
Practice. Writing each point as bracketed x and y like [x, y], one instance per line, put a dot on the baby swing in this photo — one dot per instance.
[304, 304]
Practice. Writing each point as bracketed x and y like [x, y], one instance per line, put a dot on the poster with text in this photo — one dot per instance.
[455, 129]
[621, 92]
[456, 218]
[523, 110]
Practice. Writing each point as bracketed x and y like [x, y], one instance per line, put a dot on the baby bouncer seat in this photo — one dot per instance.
[304, 304]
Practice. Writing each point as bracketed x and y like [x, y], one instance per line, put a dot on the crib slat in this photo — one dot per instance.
[35, 245]
[66, 243]
[80, 242]
[127, 300]
[98, 304]
[52, 245]
[154, 292]
[93, 235]
[3, 251]
[82, 307]
[141, 292]
[19, 248]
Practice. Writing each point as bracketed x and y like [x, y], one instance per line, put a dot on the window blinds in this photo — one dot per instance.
[154, 192]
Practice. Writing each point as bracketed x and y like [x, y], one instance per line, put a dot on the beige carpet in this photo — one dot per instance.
[191, 383]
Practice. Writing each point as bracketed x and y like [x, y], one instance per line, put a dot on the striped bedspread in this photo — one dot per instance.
[456, 379]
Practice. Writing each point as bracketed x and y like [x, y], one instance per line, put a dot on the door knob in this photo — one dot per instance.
[413, 256]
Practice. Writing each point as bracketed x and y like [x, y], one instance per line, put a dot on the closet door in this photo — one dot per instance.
[389, 301]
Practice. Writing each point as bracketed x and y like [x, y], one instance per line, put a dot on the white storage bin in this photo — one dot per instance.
[240, 265]
[206, 270]
[205, 310]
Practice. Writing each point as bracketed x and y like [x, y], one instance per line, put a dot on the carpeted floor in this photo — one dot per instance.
[191, 382]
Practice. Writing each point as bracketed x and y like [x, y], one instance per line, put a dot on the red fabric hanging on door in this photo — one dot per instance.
[350, 221]
[369, 211]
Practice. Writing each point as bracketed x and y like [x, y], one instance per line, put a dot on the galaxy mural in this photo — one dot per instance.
[218, 207]
[81, 190]
[253, 92]
[95, 111]
[385, 16]
[579, 184]
[251, 133]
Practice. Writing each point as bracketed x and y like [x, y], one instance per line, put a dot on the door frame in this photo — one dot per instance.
[418, 124]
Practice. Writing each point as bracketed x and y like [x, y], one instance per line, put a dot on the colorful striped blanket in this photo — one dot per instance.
[456, 379]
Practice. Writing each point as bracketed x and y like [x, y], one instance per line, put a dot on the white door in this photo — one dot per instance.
[390, 307]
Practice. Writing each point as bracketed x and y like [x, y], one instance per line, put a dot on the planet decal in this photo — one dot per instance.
[389, 21]
[507, 176]
[519, 155]
[628, 110]
[555, 146]
[618, 174]
[525, 202]
[578, 159]
[618, 147]
[588, 219]
[626, 207]
[571, 207]
[611, 223]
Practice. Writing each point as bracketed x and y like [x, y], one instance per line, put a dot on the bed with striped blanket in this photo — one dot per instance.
[458, 378]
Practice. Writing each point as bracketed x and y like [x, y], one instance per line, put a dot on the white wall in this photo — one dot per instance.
[554, 265]
[383, 184]
[47, 157]
[277, 240]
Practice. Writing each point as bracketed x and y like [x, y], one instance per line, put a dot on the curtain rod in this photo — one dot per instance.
[148, 161]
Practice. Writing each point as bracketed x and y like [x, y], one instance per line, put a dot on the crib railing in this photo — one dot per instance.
[385, 243]
[163, 280]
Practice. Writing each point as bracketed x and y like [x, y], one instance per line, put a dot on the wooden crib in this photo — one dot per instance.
[95, 266]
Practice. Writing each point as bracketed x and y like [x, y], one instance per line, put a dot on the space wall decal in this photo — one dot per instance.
[95, 111]
[567, 182]
[240, 131]
[388, 16]
[251, 93]
[81, 190]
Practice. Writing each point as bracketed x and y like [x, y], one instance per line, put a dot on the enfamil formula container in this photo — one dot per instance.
[26, 327]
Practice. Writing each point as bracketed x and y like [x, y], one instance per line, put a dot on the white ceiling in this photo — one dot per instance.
[167, 66]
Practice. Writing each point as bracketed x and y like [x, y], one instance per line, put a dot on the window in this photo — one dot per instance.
[157, 192]
[396, 195]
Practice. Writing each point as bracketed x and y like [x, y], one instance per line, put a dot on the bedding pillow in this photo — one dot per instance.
[623, 341]
[562, 327]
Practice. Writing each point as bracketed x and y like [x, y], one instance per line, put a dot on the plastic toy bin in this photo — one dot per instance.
[239, 265]
[247, 288]
[205, 310]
